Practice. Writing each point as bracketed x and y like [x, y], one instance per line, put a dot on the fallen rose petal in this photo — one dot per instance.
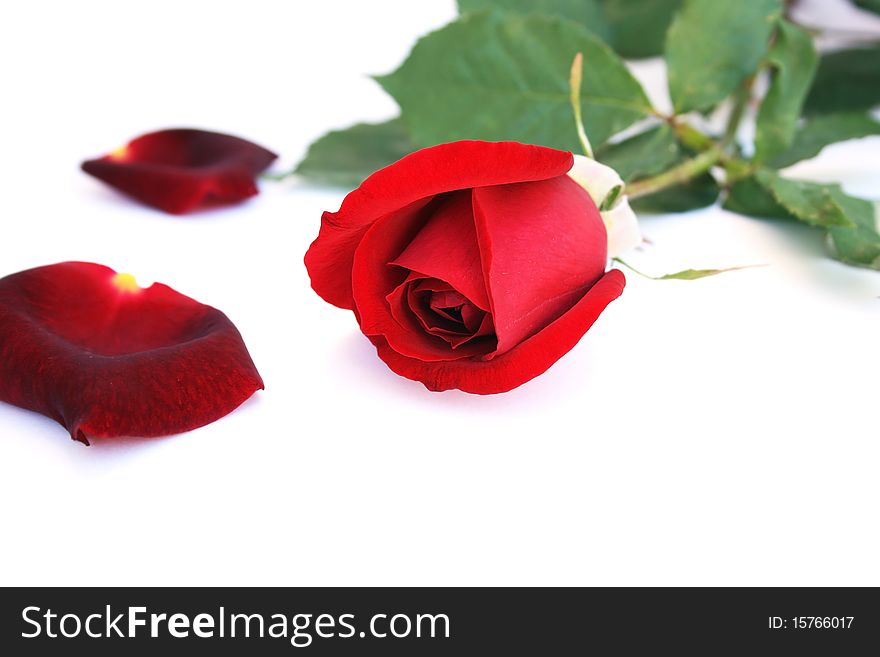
[105, 358]
[182, 170]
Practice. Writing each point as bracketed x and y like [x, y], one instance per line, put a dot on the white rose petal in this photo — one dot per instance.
[596, 178]
[620, 221]
[622, 227]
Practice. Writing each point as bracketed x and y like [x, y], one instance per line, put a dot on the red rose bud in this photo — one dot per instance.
[470, 265]
[182, 170]
[90, 349]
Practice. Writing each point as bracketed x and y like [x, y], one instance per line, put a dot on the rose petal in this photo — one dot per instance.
[404, 303]
[431, 307]
[374, 279]
[446, 248]
[182, 170]
[597, 178]
[89, 349]
[474, 319]
[621, 222]
[407, 301]
[420, 175]
[543, 244]
[522, 363]
[623, 228]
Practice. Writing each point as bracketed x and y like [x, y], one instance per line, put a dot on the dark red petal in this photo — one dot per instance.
[475, 319]
[543, 245]
[522, 363]
[183, 169]
[429, 300]
[446, 249]
[417, 297]
[374, 280]
[88, 348]
[421, 175]
[451, 298]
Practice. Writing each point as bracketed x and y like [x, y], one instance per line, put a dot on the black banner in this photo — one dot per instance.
[448, 621]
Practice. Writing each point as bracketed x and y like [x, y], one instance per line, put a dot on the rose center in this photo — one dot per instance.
[446, 313]
[452, 313]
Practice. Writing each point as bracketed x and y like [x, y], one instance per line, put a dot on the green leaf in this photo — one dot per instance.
[860, 244]
[586, 12]
[712, 46]
[685, 274]
[694, 274]
[505, 76]
[634, 28]
[698, 193]
[852, 226]
[813, 203]
[639, 28]
[646, 154]
[870, 5]
[822, 130]
[846, 81]
[347, 157]
[610, 198]
[793, 59]
[749, 197]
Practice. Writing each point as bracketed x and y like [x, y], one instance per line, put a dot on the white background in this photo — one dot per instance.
[723, 431]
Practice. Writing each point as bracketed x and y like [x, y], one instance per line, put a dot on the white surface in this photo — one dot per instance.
[723, 431]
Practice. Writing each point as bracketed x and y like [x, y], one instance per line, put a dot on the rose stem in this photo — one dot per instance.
[702, 162]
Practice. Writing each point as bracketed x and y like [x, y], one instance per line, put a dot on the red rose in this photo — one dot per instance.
[469, 265]
[182, 170]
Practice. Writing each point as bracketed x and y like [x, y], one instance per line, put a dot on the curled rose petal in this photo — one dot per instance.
[182, 170]
[542, 250]
[105, 358]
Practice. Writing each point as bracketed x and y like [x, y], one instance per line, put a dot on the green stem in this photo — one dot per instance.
[676, 175]
[740, 102]
[736, 169]
[711, 154]
[633, 269]
[692, 138]
[276, 177]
